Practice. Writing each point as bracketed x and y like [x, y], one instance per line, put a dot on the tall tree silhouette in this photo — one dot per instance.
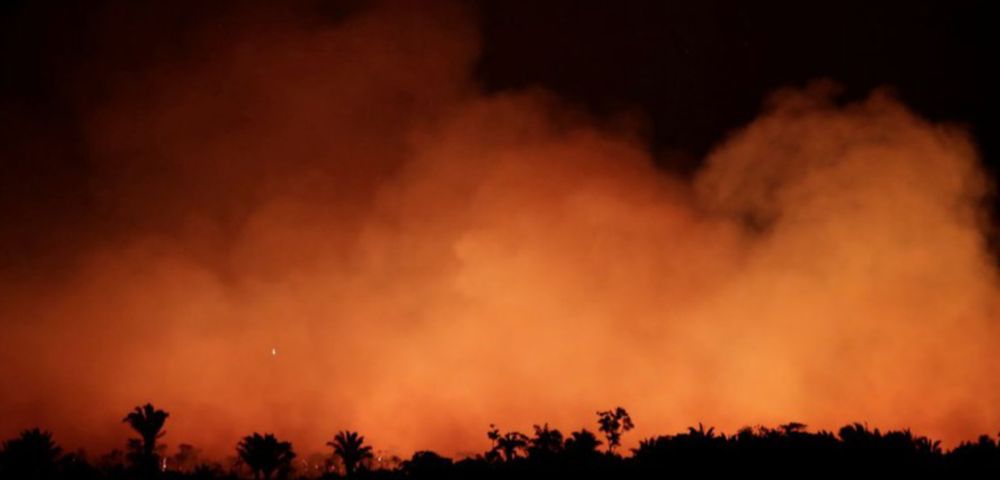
[148, 422]
[493, 455]
[265, 454]
[350, 447]
[613, 423]
[33, 454]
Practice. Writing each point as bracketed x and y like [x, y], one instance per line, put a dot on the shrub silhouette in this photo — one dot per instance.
[426, 464]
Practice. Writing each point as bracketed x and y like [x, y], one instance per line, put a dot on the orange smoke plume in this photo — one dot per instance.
[425, 259]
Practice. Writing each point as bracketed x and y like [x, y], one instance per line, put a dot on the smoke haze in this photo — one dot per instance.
[427, 259]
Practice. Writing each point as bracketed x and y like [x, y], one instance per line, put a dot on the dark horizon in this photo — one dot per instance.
[787, 450]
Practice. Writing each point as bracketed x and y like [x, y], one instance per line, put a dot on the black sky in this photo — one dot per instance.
[700, 69]
[694, 70]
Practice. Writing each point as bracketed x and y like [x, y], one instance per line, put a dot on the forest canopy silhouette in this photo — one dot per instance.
[788, 451]
[303, 227]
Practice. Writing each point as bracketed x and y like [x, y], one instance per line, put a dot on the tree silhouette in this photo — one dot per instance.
[701, 433]
[546, 443]
[791, 428]
[582, 443]
[186, 458]
[785, 451]
[350, 447]
[33, 454]
[206, 471]
[493, 455]
[511, 443]
[613, 423]
[264, 455]
[148, 422]
[426, 464]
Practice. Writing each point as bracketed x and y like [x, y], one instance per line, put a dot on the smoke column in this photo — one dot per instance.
[426, 259]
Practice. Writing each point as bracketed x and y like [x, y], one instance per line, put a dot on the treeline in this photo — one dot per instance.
[784, 452]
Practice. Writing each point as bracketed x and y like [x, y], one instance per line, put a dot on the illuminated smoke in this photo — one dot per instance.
[429, 259]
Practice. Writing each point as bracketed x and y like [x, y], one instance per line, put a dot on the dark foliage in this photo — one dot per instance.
[33, 454]
[788, 451]
[148, 422]
[614, 423]
[351, 449]
[265, 455]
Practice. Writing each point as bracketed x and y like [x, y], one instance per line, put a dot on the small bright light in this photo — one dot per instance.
[274, 352]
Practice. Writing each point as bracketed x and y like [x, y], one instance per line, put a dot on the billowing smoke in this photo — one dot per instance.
[425, 259]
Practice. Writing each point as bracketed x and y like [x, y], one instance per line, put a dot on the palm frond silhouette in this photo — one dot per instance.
[351, 449]
[265, 454]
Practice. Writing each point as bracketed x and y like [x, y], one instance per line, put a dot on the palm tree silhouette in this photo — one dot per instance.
[701, 433]
[33, 454]
[350, 447]
[264, 454]
[148, 422]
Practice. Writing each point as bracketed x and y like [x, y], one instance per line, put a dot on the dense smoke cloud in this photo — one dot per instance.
[426, 259]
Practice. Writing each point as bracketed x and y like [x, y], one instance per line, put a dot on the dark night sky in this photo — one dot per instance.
[699, 69]
[694, 70]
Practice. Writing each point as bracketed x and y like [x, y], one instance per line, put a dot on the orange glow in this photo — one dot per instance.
[428, 259]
